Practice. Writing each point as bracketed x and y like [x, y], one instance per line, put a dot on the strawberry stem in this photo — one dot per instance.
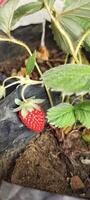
[22, 93]
[16, 82]
[9, 78]
[30, 82]
[43, 34]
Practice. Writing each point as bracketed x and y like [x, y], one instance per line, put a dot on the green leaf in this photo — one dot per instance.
[78, 8]
[84, 59]
[50, 3]
[68, 2]
[6, 15]
[85, 24]
[61, 116]
[80, 11]
[26, 9]
[70, 26]
[59, 38]
[69, 78]
[31, 63]
[86, 137]
[74, 19]
[82, 112]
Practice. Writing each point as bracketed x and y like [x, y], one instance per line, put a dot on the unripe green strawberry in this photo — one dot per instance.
[34, 120]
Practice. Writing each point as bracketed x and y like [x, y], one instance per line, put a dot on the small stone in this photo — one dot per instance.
[76, 183]
[28, 162]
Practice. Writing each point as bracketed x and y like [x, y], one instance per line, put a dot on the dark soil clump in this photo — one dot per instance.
[40, 166]
[56, 167]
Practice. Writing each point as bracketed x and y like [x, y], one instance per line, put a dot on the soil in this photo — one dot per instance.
[40, 167]
[55, 166]
[47, 163]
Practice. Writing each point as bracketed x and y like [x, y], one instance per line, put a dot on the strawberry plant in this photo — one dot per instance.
[69, 79]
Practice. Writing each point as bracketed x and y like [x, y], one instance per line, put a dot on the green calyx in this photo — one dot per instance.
[28, 105]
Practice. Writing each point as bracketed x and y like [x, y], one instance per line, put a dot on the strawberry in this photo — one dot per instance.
[2, 2]
[34, 120]
[31, 114]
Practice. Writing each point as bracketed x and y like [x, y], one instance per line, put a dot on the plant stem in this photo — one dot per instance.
[80, 57]
[81, 41]
[43, 34]
[16, 82]
[66, 58]
[22, 93]
[62, 31]
[9, 78]
[26, 85]
[15, 41]
[63, 98]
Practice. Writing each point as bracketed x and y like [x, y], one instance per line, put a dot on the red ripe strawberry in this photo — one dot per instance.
[2, 2]
[31, 114]
[34, 120]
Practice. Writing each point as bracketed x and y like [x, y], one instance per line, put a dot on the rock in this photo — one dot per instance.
[76, 183]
